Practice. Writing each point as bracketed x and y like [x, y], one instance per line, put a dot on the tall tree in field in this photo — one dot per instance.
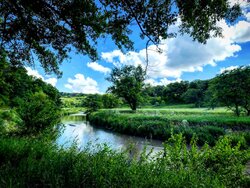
[50, 28]
[127, 82]
[232, 88]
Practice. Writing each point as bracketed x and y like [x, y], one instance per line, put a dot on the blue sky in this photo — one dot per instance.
[182, 59]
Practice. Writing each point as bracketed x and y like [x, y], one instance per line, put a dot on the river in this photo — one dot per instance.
[77, 129]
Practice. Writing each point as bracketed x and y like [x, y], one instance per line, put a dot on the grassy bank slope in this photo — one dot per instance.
[159, 124]
[35, 163]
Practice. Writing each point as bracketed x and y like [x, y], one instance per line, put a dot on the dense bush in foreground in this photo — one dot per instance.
[35, 163]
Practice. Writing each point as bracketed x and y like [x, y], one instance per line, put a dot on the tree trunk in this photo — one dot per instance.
[237, 111]
[248, 112]
[134, 107]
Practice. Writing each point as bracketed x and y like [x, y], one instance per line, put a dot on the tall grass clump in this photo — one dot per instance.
[35, 163]
[10, 122]
[197, 117]
[156, 127]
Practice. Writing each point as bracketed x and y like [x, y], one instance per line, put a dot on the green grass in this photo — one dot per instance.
[37, 163]
[72, 101]
[179, 107]
[195, 116]
[72, 110]
[156, 127]
[9, 121]
[159, 124]
[167, 109]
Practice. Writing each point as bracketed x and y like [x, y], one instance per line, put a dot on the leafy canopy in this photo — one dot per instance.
[50, 28]
[36, 102]
[231, 88]
[127, 82]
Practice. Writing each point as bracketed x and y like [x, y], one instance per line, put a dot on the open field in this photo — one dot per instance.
[181, 108]
[72, 110]
[221, 117]
[207, 125]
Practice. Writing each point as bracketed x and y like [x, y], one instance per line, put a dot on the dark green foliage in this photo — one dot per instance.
[153, 91]
[156, 127]
[10, 122]
[127, 82]
[93, 102]
[32, 162]
[65, 94]
[152, 95]
[49, 90]
[49, 28]
[17, 84]
[241, 137]
[110, 101]
[210, 99]
[174, 91]
[4, 86]
[231, 88]
[38, 112]
[196, 92]
[200, 27]
[37, 103]
[192, 96]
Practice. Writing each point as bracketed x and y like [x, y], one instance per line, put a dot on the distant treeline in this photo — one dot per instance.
[65, 94]
[184, 92]
[230, 89]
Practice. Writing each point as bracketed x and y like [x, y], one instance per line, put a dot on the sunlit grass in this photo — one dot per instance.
[73, 110]
[27, 162]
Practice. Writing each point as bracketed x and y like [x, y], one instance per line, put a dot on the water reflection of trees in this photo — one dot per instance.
[79, 131]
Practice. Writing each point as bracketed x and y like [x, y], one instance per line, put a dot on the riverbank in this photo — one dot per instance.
[207, 127]
[75, 110]
[27, 162]
[40, 162]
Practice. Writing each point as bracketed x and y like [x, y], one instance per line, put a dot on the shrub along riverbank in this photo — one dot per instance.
[207, 128]
[196, 117]
[27, 162]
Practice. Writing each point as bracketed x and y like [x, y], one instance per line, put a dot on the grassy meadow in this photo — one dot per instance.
[158, 123]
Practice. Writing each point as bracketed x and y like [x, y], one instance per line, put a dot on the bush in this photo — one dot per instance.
[36, 163]
[38, 113]
[10, 121]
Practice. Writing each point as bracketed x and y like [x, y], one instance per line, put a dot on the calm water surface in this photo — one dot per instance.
[78, 130]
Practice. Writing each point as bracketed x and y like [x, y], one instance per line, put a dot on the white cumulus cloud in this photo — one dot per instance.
[36, 74]
[247, 16]
[182, 54]
[51, 81]
[163, 81]
[80, 84]
[239, 33]
[242, 3]
[33, 72]
[223, 69]
[97, 67]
